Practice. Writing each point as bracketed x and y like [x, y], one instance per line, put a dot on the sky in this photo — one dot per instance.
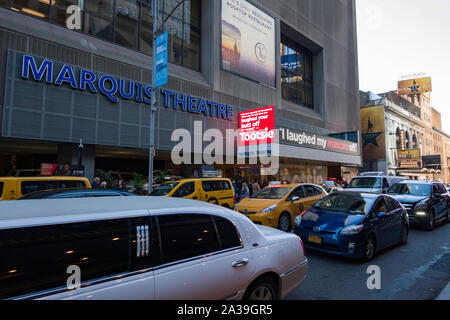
[403, 37]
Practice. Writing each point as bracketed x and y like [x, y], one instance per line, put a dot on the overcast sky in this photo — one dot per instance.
[402, 37]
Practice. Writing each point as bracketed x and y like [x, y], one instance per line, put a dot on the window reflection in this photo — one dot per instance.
[296, 73]
[35, 8]
[128, 23]
[99, 17]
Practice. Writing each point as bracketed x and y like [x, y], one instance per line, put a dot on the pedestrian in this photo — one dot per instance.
[103, 185]
[121, 185]
[96, 183]
[245, 192]
[256, 187]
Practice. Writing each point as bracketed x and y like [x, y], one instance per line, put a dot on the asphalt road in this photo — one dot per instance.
[419, 270]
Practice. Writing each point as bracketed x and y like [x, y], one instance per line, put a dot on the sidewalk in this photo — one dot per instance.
[445, 294]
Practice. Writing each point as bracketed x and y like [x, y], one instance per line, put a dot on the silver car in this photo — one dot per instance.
[142, 248]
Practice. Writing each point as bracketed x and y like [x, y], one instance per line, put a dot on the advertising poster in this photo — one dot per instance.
[257, 126]
[409, 159]
[415, 86]
[248, 41]
[373, 133]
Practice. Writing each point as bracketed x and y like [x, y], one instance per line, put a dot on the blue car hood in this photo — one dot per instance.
[407, 198]
[329, 221]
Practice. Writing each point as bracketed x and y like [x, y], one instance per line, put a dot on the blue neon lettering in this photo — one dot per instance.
[84, 79]
[122, 92]
[230, 114]
[139, 87]
[202, 107]
[46, 67]
[148, 93]
[167, 95]
[221, 112]
[178, 101]
[192, 106]
[213, 106]
[66, 75]
[109, 93]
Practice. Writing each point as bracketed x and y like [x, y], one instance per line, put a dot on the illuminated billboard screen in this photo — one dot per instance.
[409, 158]
[373, 133]
[257, 126]
[415, 86]
[248, 42]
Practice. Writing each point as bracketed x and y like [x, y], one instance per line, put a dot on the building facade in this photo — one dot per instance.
[82, 95]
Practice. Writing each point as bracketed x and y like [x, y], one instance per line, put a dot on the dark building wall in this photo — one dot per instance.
[328, 27]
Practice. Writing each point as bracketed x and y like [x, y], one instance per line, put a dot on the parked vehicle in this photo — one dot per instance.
[331, 186]
[217, 191]
[373, 182]
[142, 248]
[425, 202]
[75, 193]
[277, 205]
[12, 188]
[353, 224]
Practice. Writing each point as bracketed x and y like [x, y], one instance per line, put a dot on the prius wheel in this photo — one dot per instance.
[285, 222]
[430, 224]
[404, 234]
[262, 290]
[369, 249]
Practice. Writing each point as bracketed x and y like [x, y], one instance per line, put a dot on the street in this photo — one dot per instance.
[417, 271]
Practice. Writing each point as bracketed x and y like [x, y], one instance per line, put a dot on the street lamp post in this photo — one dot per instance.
[156, 31]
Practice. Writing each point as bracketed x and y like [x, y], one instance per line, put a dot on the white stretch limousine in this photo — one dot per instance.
[142, 248]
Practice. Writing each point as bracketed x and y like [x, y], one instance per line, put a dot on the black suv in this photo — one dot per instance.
[425, 201]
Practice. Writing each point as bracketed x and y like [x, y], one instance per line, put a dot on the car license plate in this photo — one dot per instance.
[315, 239]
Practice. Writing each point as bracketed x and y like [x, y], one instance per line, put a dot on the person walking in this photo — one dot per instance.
[96, 183]
[245, 192]
[255, 187]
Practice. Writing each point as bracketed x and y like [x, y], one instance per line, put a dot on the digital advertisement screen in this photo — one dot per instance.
[248, 42]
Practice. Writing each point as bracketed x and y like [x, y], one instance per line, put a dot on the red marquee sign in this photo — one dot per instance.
[257, 126]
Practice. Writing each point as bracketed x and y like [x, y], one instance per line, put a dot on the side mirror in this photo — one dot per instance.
[294, 199]
[382, 214]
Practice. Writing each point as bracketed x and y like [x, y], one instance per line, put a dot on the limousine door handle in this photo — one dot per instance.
[240, 263]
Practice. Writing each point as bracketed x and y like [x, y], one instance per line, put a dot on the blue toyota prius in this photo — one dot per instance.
[353, 224]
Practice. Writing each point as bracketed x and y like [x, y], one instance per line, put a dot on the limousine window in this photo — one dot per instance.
[228, 234]
[186, 236]
[36, 258]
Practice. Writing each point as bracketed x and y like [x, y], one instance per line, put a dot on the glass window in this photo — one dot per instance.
[164, 189]
[59, 10]
[345, 203]
[365, 183]
[99, 18]
[35, 8]
[228, 234]
[36, 259]
[127, 23]
[1, 189]
[296, 73]
[186, 236]
[380, 206]
[298, 192]
[71, 184]
[185, 190]
[272, 193]
[32, 186]
[310, 191]
[415, 189]
[216, 185]
[392, 204]
[4, 3]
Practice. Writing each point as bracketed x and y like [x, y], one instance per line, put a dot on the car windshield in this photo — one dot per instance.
[164, 189]
[365, 183]
[414, 189]
[272, 193]
[350, 204]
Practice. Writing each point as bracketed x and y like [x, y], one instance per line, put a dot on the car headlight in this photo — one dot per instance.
[269, 209]
[352, 230]
[421, 206]
[298, 221]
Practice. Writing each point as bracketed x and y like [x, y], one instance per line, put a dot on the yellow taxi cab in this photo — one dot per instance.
[12, 188]
[277, 206]
[213, 190]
